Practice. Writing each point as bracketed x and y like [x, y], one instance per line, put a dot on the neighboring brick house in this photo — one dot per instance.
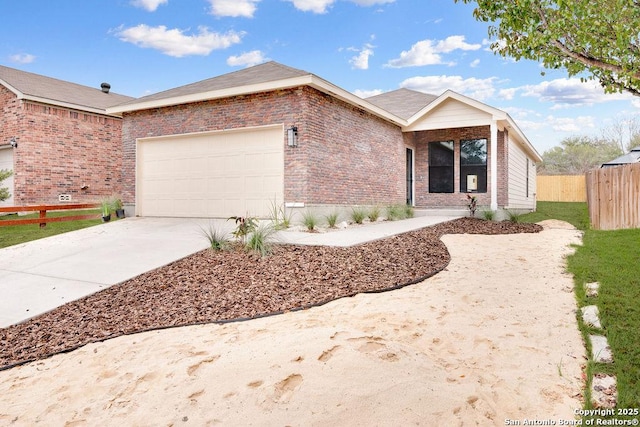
[58, 139]
[236, 143]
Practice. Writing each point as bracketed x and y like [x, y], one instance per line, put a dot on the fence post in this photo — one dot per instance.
[43, 214]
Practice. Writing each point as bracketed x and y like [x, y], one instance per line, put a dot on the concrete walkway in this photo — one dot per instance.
[39, 276]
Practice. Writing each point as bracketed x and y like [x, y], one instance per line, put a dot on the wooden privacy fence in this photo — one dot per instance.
[614, 197]
[42, 219]
[561, 188]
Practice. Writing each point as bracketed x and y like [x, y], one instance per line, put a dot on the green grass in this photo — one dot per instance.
[573, 213]
[611, 258]
[16, 234]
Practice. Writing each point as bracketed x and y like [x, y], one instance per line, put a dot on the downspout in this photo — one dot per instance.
[494, 165]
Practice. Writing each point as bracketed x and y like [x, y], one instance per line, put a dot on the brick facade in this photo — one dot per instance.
[60, 150]
[420, 140]
[344, 155]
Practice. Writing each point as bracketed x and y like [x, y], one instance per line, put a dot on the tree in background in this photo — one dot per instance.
[596, 37]
[624, 131]
[4, 191]
[577, 155]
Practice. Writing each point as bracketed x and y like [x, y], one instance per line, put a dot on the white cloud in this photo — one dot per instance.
[175, 43]
[233, 8]
[246, 59]
[570, 124]
[315, 6]
[361, 60]
[150, 5]
[367, 93]
[568, 92]
[428, 52]
[22, 58]
[322, 6]
[475, 88]
[474, 63]
[507, 94]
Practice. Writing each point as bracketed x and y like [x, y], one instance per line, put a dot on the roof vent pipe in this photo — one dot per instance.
[105, 87]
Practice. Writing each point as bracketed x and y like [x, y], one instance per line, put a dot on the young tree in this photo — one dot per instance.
[596, 37]
[577, 155]
[4, 191]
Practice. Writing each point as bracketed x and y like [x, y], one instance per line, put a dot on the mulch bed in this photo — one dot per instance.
[223, 286]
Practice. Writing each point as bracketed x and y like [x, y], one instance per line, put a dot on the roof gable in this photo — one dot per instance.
[58, 92]
[475, 113]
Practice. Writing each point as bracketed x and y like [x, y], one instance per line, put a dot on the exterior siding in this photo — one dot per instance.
[452, 114]
[344, 155]
[60, 150]
[519, 197]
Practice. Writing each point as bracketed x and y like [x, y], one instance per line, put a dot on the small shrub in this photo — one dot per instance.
[374, 214]
[4, 191]
[488, 214]
[394, 212]
[107, 205]
[218, 239]
[514, 217]
[409, 212]
[260, 239]
[244, 227]
[279, 216]
[332, 219]
[472, 204]
[309, 220]
[358, 214]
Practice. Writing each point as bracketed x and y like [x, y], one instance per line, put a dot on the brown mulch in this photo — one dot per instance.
[232, 285]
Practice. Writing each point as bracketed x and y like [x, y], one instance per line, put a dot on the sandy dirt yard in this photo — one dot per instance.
[491, 339]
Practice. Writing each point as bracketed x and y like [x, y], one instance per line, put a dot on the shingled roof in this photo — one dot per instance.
[58, 92]
[263, 73]
[404, 103]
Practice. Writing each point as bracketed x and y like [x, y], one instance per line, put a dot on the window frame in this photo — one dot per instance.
[439, 186]
[479, 169]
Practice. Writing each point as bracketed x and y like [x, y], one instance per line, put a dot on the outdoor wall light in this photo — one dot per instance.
[292, 136]
[13, 142]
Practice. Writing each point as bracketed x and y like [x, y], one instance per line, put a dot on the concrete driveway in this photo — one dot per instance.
[38, 276]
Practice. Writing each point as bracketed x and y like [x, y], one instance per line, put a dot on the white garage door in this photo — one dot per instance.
[215, 174]
[6, 162]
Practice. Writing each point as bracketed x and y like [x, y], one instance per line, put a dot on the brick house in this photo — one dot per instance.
[58, 140]
[234, 144]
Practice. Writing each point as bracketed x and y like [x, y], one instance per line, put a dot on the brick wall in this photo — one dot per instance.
[344, 155]
[420, 141]
[60, 150]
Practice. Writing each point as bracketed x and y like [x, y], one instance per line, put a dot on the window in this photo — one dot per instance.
[473, 162]
[441, 167]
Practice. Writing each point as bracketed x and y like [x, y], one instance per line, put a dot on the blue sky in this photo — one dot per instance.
[364, 46]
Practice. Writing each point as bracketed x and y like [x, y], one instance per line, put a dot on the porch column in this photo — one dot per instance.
[493, 155]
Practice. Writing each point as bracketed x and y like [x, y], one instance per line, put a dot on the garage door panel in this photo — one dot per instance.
[219, 174]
